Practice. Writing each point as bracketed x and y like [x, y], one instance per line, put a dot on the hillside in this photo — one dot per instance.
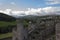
[4, 17]
[6, 23]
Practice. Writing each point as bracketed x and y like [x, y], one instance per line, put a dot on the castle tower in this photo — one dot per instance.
[58, 31]
[19, 33]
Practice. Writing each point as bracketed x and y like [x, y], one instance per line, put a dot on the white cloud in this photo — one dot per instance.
[36, 12]
[7, 11]
[1, 11]
[53, 2]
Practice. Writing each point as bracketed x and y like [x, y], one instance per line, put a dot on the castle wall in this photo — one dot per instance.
[58, 31]
[19, 32]
[43, 31]
[14, 34]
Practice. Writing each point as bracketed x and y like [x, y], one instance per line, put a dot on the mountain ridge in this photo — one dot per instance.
[4, 17]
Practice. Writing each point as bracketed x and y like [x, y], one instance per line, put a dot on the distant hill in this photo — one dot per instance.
[4, 17]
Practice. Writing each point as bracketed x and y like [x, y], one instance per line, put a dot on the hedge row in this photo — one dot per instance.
[6, 29]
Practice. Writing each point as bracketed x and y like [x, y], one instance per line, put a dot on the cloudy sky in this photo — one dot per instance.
[23, 4]
[33, 6]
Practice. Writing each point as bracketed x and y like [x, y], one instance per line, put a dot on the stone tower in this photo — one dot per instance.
[19, 33]
[58, 31]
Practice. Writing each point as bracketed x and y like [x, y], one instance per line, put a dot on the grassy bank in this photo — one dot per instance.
[5, 24]
[6, 35]
[5, 29]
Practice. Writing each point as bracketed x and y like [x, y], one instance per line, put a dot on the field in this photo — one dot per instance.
[6, 35]
[6, 29]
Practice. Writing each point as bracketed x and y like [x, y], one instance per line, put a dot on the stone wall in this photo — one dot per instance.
[42, 29]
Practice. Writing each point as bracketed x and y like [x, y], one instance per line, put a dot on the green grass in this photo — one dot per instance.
[5, 35]
[5, 24]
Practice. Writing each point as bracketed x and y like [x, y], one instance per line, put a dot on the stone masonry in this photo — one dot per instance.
[47, 28]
